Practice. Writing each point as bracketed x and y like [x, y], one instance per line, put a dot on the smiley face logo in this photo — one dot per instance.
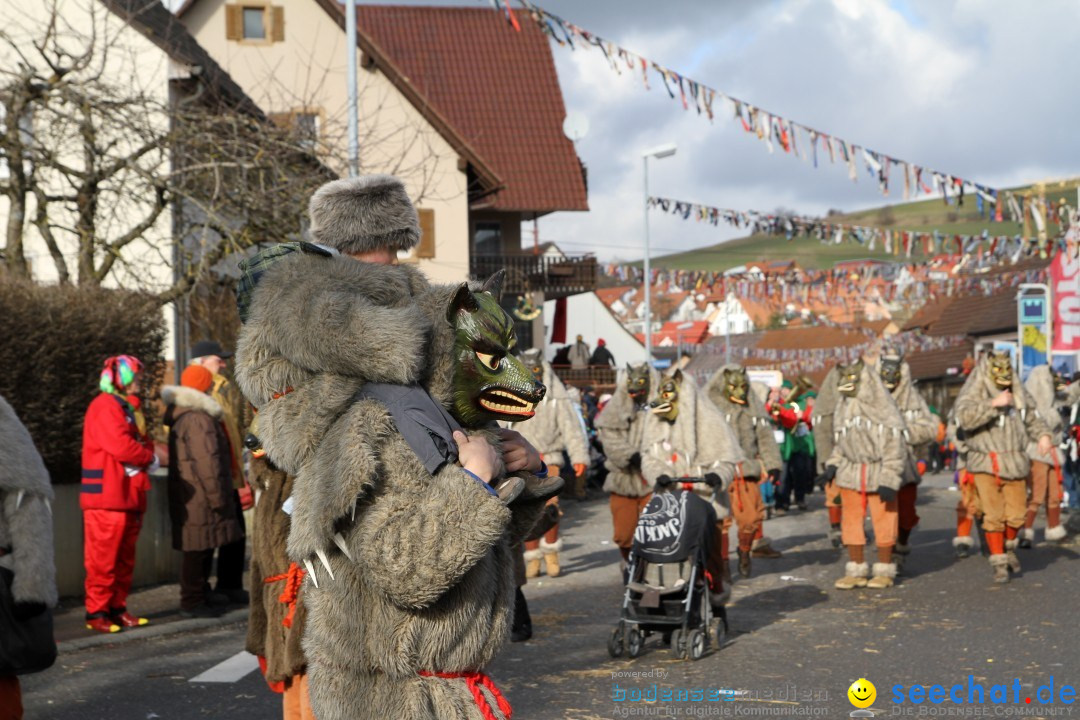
[862, 693]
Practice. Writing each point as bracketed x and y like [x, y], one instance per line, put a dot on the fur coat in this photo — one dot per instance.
[698, 442]
[422, 573]
[556, 426]
[751, 424]
[869, 449]
[268, 636]
[26, 526]
[824, 412]
[997, 438]
[920, 425]
[202, 504]
[621, 427]
[1040, 384]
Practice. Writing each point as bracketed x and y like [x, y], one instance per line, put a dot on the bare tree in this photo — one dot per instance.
[119, 166]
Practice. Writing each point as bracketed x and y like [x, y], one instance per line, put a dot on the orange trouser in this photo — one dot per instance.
[1002, 501]
[11, 707]
[832, 502]
[1045, 485]
[625, 511]
[967, 508]
[296, 704]
[716, 559]
[748, 509]
[905, 507]
[883, 515]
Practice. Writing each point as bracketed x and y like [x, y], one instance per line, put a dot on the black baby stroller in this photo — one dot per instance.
[666, 590]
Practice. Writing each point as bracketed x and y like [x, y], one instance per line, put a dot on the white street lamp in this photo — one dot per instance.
[659, 152]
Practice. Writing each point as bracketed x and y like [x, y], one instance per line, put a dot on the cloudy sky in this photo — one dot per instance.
[982, 89]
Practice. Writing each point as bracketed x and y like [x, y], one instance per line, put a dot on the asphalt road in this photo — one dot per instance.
[795, 645]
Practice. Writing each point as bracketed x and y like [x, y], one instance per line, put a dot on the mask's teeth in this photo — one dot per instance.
[326, 562]
[311, 573]
[18, 499]
[340, 542]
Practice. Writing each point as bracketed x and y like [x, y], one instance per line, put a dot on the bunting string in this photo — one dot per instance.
[773, 130]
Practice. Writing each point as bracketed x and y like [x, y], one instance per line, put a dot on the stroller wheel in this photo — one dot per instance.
[678, 643]
[615, 643]
[635, 641]
[697, 642]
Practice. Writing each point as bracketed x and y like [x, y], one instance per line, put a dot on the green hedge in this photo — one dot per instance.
[53, 341]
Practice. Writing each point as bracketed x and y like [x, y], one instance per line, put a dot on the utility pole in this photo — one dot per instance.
[354, 112]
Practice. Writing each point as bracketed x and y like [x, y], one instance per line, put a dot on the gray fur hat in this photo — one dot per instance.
[364, 213]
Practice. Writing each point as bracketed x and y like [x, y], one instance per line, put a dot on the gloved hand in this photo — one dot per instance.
[28, 610]
[713, 480]
[886, 494]
[635, 461]
[826, 477]
[665, 480]
[774, 477]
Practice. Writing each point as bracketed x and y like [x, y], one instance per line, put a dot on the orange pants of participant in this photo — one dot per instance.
[967, 507]
[625, 511]
[1045, 485]
[832, 502]
[1002, 502]
[748, 509]
[905, 507]
[11, 707]
[883, 515]
[296, 704]
[716, 559]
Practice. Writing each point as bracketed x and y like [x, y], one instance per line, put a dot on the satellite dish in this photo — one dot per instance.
[575, 126]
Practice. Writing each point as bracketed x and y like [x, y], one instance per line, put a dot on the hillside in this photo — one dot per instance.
[928, 215]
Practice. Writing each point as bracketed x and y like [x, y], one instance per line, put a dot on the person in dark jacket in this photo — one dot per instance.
[202, 504]
[117, 456]
[601, 355]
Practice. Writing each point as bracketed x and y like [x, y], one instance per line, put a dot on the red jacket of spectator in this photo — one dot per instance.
[789, 414]
[111, 441]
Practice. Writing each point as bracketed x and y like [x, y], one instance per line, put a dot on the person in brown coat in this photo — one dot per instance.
[202, 504]
[276, 617]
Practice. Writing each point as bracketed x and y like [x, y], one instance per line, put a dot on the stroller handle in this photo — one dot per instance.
[681, 480]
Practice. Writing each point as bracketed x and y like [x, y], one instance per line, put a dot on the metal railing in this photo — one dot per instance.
[599, 377]
[556, 277]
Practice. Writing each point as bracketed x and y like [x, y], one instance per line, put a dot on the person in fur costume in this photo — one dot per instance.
[686, 437]
[967, 507]
[415, 580]
[1052, 394]
[554, 429]
[276, 616]
[866, 463]
[729, 390]
[999, 420]
[621, 426]
[824, 412]
[920, 428]
[26, 533]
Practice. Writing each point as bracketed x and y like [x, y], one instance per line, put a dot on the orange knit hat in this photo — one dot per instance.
[197, 377]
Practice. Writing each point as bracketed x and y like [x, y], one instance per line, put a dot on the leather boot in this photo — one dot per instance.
[532, 563]
[744, 563]
[854, 576]
[1000, 565]
[883, 576]
[551, 557]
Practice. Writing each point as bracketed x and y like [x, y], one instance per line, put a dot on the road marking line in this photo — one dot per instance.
[229, 671]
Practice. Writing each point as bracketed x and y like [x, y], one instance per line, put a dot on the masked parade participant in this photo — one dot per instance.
[866, 462]
[366, 379]
[621, 427]
[920, 428]
[999, 419]
[1053, 394]
[824, 412]
[729, 390]
[967, 507]
[555, 428]
[686, 438]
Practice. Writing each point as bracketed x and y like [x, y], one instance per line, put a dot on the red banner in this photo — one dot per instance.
[1065, 280]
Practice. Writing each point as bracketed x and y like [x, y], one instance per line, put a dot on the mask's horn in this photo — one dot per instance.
[493, 284]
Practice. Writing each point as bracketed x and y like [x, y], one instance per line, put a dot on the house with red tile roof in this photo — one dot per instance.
[464, 108]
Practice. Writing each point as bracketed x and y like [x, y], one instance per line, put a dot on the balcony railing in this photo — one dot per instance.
[556, 277]
[599, 377]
